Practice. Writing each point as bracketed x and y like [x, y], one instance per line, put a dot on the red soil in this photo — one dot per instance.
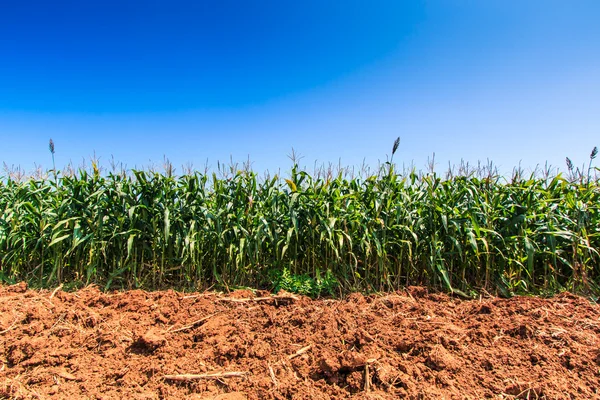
[139, 345]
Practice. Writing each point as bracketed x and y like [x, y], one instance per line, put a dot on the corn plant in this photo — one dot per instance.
[373, 232]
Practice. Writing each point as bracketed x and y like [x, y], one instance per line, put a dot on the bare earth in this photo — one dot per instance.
[411, 344]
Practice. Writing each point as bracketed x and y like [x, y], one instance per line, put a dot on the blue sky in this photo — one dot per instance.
[202, 81]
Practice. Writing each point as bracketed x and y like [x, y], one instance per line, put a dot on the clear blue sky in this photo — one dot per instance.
[510, 81]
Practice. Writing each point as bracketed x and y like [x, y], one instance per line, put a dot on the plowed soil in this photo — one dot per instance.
[411, 344]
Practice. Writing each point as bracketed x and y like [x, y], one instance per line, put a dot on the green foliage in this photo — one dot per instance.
[5, 280]
[381, 232]
[304, 284]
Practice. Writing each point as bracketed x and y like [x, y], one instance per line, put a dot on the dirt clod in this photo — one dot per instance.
[148, 342]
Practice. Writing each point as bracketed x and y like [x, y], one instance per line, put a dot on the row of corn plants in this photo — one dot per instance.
[463, 234]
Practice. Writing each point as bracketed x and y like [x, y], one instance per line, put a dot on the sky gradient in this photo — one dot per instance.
[516, 82]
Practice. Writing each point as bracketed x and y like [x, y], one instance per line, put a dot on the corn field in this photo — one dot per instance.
[463, 234]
